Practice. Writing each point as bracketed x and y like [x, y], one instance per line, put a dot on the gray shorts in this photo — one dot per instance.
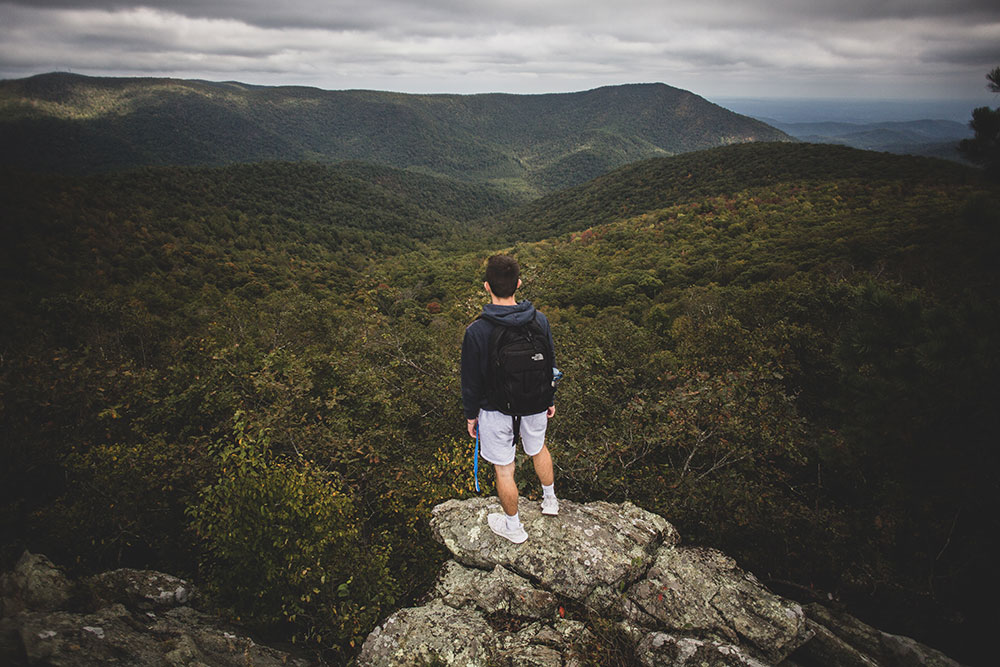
[496, 435]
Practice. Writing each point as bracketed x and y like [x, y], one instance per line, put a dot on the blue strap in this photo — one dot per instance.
[475, 460]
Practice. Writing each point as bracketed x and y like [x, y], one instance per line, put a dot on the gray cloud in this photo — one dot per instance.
[963, 55]
[368, 14]
[790, 47]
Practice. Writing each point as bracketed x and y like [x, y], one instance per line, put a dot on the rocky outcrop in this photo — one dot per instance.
[603, 574]
[134, 617]
[35, 583]
[584, 554]
[841, 639]
[600, 576]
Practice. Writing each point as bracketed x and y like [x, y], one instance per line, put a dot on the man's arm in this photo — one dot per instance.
[472, 380]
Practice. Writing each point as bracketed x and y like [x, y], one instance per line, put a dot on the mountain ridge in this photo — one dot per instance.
[655, 183]
[528, 143]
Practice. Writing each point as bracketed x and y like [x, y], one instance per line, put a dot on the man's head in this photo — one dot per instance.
[503, 275]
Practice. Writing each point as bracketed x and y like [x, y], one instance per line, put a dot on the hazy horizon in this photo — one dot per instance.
[873, 110]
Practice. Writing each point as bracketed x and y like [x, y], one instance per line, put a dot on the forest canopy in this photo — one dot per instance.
[787, 350]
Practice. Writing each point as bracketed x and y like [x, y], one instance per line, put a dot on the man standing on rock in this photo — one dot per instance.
[508, 362]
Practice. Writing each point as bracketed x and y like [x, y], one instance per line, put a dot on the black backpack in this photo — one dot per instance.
[520, 369]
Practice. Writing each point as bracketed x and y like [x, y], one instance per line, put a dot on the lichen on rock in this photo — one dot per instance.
[499, 591]
[704, 593]
[586, 547]
[141, 589]
[431, 633]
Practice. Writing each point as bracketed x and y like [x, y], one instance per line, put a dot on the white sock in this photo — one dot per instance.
[513, 522]
[549, 491]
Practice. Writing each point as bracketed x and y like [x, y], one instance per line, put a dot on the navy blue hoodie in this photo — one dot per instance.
[475, 350]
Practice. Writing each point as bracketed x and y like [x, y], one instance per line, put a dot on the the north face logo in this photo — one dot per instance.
[538, 357]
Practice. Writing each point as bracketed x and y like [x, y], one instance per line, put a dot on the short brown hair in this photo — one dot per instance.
[502, 273]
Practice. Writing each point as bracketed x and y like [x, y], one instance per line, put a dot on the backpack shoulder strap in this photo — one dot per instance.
[495, 335]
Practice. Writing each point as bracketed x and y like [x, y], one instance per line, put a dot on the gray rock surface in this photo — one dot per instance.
[659, 648]
[436, 633]
[432, 633]
[141, 589]
[826, 648]
[702, 592]
[34, 583]
[588, 548]
[114, 634]
[552, 599]
[131, 617]
[843, 639]
[555, 642]
[498, 591]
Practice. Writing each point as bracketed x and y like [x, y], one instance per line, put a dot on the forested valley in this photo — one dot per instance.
[248, 374]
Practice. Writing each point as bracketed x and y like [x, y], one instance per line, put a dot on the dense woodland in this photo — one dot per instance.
[248, 375]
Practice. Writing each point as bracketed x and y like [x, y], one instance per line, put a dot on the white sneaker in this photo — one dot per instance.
[498, 524]
[550, 506]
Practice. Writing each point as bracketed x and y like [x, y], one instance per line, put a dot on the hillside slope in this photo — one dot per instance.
[656, 183]
[95, 231]
[532, 143]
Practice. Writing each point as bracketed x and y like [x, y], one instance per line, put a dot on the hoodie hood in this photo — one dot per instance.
[509, 316]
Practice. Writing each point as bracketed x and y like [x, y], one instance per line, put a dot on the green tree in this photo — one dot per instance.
[984, 148]
[283, 543]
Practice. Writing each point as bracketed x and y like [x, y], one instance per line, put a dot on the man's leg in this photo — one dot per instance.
[508, 524]
[543, 467]
[507, 488]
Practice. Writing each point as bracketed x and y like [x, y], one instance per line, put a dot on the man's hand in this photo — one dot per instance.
[551, 412]
[472, 426]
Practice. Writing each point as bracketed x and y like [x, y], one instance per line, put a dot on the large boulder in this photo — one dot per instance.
[596, 560]
[432, 632]
[702, 592]
[133, 617]
[585, 552]
[603, 574]
[34, 583]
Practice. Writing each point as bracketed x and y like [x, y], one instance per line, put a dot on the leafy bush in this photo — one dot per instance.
[282, 544]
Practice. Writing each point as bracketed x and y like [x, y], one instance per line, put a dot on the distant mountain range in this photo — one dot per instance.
[529, 144]
[935, 138]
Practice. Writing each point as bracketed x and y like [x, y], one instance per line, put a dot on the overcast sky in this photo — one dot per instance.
[928, 49]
